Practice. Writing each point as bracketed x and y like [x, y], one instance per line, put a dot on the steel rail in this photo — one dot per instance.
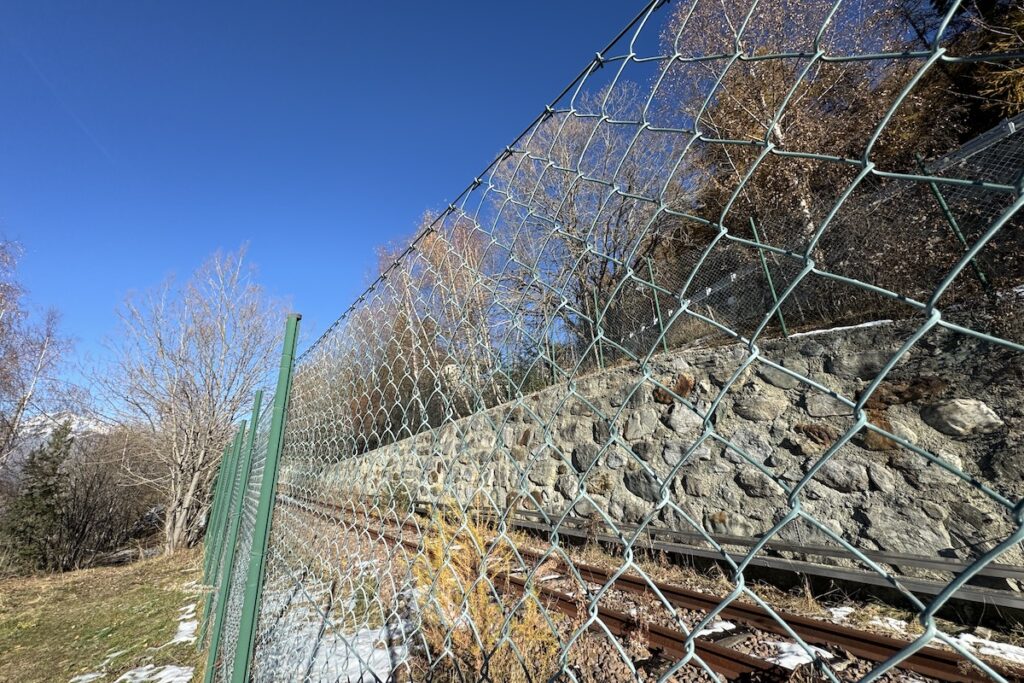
[983, 595]
[945, 666]
[946, 564]
[975, 594]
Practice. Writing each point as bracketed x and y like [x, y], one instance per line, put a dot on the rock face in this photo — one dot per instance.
[633, 442]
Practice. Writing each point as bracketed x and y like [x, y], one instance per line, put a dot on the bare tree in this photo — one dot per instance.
[29, 355]
[779, 138]
[188, 360]
[580, 206]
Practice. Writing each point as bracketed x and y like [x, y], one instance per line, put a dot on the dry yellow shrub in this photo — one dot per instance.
[465, 599]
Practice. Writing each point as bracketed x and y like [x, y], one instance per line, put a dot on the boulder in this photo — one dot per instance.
[961, 417]
[844, 475]
[858, 365]
[782, 380]
[760, 406]
[584, 455]
[615, 459]
[642, 485]
[755, 484]
[640, 423]
[683, 420]
[818, 404]
[698, 485]
[568, 485]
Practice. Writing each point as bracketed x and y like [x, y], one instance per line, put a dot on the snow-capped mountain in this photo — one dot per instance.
[37, 429]
[41, 426]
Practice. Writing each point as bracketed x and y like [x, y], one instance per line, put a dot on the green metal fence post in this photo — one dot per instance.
[768, 277]
[215, 532]
[234, 521]
[954, 225]
[261, 529]
[218, 485]
[211, 538]
[214, 529]
[657, 305]
[597, 326]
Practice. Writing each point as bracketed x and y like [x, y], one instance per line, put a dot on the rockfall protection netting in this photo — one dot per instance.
[753, 285]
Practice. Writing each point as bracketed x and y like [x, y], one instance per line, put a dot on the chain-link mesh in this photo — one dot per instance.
[741, 308]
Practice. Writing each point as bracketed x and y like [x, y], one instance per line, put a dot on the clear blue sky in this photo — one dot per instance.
[138, 137]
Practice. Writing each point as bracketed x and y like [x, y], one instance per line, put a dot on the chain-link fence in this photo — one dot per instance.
[714, 373]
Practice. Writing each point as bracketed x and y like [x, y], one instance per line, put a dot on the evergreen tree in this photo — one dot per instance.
[32, 521]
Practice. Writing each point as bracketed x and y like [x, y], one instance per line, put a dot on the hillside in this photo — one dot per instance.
[133, 623]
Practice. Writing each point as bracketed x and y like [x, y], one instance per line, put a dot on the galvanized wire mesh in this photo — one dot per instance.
[752, 279]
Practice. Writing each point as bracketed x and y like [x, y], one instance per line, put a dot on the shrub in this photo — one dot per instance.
[466, 601]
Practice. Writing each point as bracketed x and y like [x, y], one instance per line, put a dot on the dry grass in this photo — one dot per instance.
[57, 626]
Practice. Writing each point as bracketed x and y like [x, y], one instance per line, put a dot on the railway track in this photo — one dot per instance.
[983, 596]
[732, 665]
[683, 543]
[934, 663]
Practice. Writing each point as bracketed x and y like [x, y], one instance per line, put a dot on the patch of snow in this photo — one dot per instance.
[791, 655]
[86, 678]
[187, 625]
[718, 626]
[840, 613]
[158, 674]
[550, 577]
[363, 656]
[991, 648]
[349, 654]
[889, 623]
[186, 632]
[873, 323]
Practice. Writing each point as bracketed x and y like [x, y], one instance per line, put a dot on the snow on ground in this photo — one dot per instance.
[158, 674]
[149, 673]
[187, 625]
[791, 655]
[889, 623]
[873, 323]
[716, 627]
[840, 613]
[990, 648]
[362, 656]
[346, 647]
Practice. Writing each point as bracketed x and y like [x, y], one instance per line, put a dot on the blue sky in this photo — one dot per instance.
[138, 137]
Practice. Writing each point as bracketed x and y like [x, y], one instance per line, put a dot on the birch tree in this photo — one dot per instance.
[189, 358]
[29, 355]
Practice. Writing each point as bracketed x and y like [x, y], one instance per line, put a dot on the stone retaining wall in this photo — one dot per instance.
[627, 436]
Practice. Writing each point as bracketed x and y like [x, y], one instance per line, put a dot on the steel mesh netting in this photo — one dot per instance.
[242, 550]
[712, 288]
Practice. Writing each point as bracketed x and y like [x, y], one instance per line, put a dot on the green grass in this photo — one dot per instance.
[57, 626]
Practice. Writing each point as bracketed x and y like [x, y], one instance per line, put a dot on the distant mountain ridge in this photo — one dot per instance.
[36, 430]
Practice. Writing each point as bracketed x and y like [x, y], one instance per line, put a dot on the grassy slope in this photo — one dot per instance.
[54, 627]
